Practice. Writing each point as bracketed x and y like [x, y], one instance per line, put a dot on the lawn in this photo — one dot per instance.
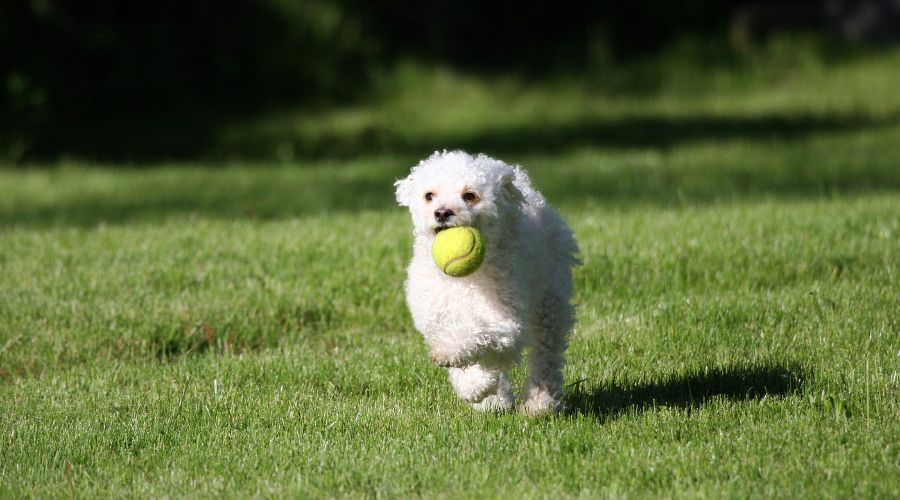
[237, 327]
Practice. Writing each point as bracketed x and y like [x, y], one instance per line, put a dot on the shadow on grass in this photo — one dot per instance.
[199, 137]
[613, 133]
[735, 383]
[261, 193]
[256, 194]
[264, 194]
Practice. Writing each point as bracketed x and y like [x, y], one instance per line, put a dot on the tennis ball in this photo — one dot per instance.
[458, 251]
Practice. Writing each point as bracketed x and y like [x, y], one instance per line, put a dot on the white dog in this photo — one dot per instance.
[478, 325]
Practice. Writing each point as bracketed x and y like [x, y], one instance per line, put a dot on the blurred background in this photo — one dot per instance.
[275, 80]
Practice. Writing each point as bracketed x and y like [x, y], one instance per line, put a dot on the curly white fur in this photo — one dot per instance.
[478, 326]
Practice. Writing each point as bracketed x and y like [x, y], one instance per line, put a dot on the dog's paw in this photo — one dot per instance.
[472, 383]
[497, 403]
[539, 403]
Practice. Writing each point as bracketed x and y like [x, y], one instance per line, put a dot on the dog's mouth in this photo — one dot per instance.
[450, 223]
[446, 225]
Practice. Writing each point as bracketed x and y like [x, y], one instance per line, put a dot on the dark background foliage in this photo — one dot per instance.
[99, 62]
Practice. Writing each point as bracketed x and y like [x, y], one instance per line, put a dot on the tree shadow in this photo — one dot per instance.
[645, 131]
[257, 197]
[687, 391]
[662, 132]
[275, 193]
[199, 137]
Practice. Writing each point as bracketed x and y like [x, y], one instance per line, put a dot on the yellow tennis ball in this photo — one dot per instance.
[458, 251]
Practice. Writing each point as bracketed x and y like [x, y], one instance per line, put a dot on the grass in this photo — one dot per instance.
[238, 327]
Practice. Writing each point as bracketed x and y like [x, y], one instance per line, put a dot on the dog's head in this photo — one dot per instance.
[457, 189]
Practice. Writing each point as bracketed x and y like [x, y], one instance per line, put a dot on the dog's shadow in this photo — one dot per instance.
[734, 382]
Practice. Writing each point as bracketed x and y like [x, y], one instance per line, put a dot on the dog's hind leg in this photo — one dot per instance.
[543, 389]
[484, 389]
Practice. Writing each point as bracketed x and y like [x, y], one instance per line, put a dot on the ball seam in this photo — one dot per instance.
[460, 257]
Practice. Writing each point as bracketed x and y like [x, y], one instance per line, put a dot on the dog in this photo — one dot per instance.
[477, 326]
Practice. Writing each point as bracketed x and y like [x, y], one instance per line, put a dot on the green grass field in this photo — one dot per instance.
[238, 327]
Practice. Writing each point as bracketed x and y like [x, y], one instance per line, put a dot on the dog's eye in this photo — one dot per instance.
[429, 196]
[469, 196]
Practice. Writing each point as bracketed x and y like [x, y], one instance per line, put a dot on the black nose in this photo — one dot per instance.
[442, 214]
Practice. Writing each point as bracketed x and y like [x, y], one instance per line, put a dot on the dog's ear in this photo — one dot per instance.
[403, 191]
[513, 196]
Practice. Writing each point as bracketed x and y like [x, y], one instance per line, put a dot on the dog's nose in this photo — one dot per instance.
[442, 214]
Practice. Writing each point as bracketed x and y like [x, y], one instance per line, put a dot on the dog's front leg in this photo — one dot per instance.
[497, 346]
[483, 388]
